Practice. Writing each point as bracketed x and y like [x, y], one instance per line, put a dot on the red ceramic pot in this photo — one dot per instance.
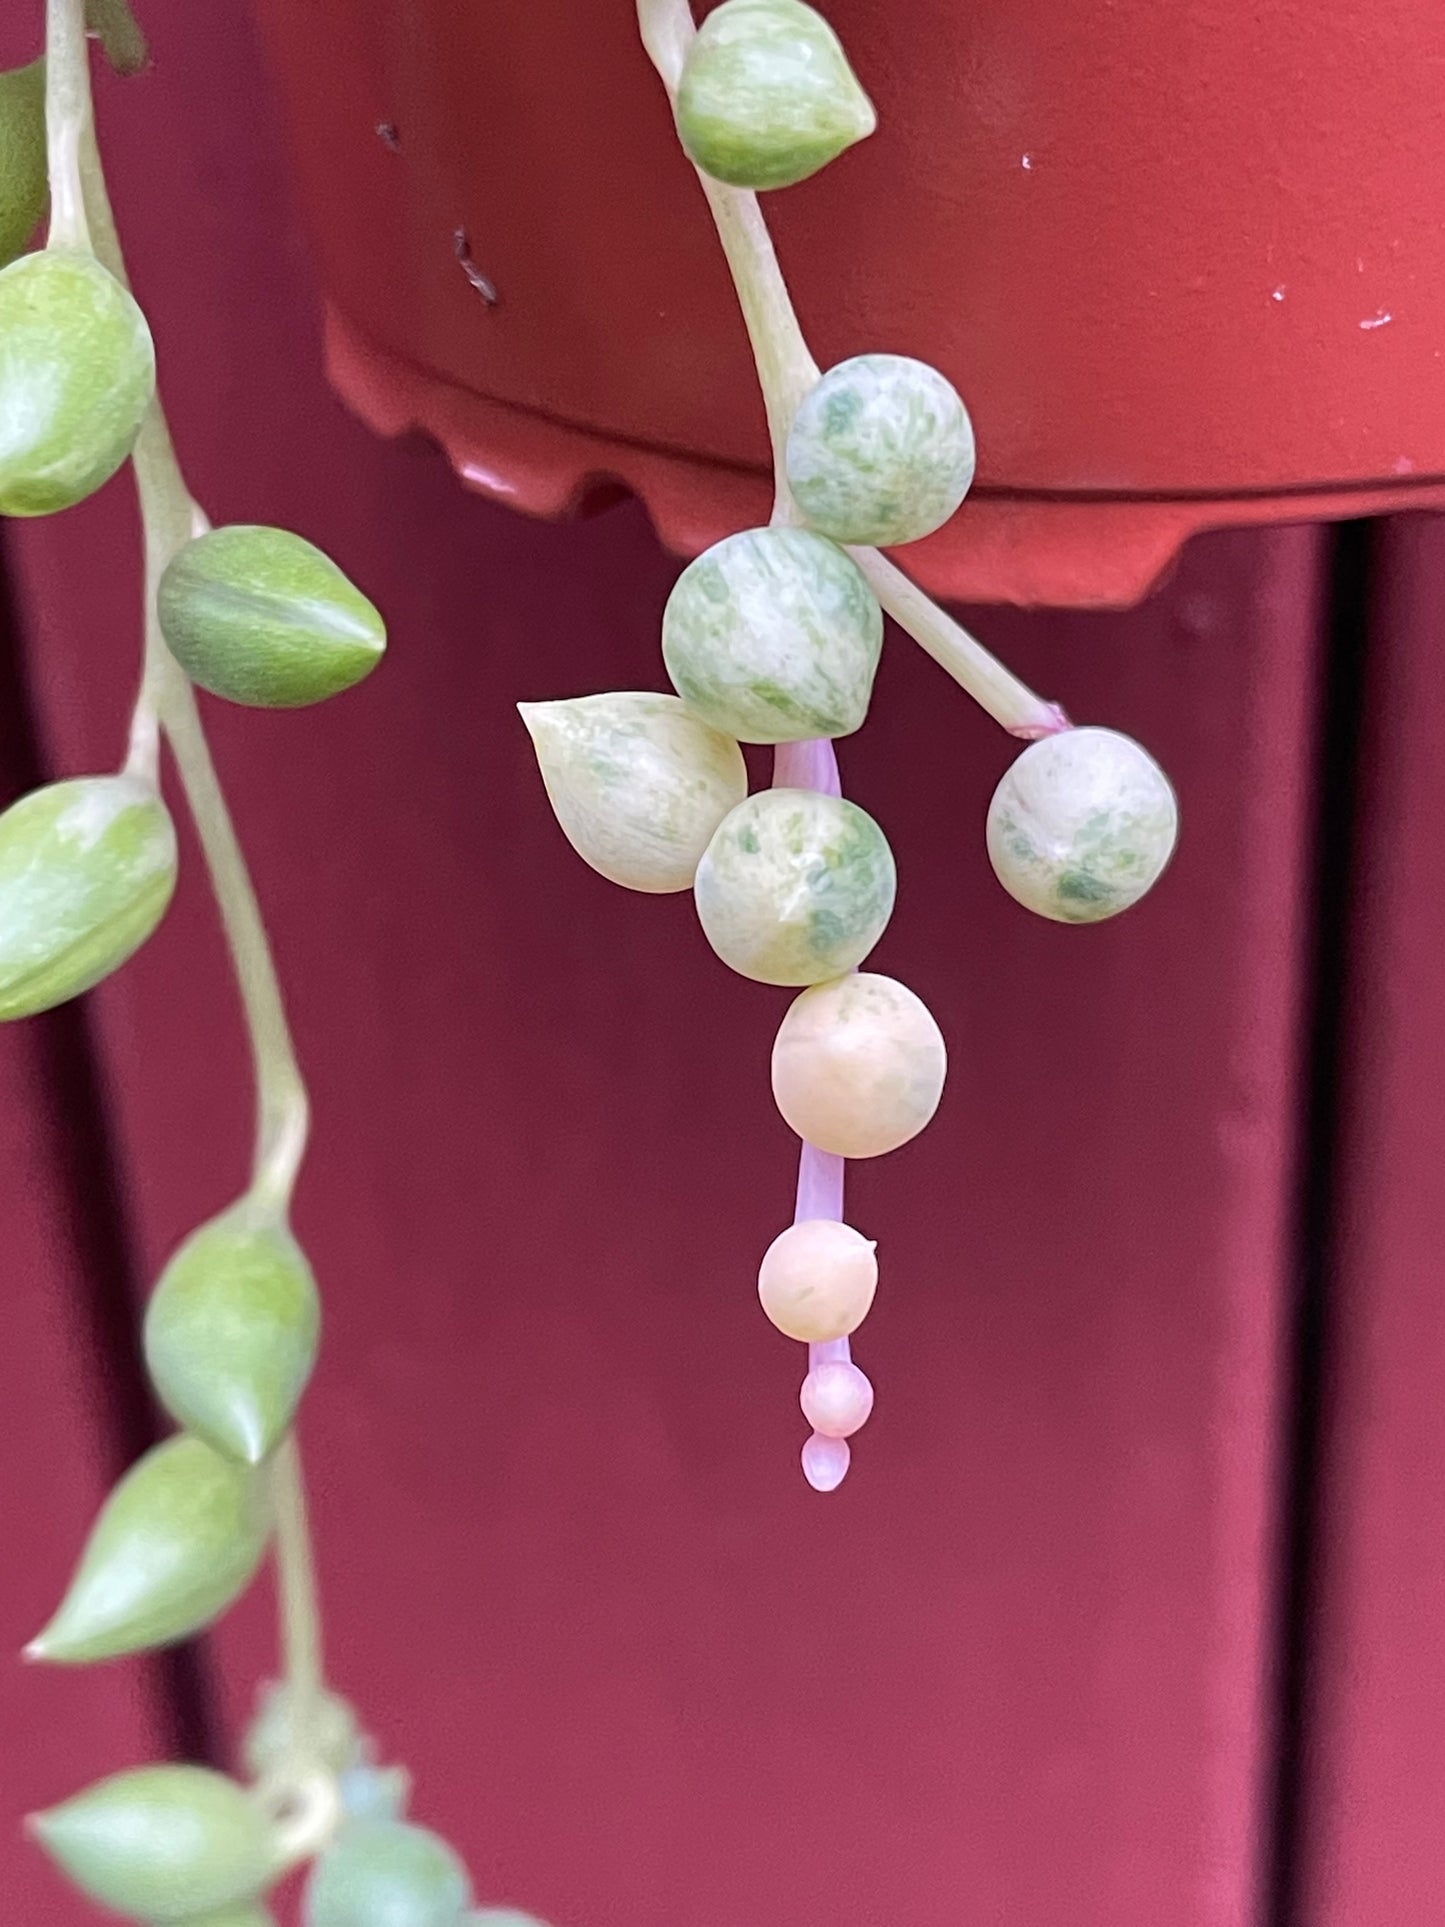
[1185, 262]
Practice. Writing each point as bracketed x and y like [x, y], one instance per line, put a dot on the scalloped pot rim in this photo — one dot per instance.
[1095, 552]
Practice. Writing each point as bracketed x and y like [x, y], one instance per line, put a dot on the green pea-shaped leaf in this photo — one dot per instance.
[23, 187]
[260, 616]
[773, 636]
[382, 1873]
[767, 96]
[231, 1332]
[796, 887]
[77, 372]
[87, 868]
[162, 1843]
[880, 451]
[180, 1537]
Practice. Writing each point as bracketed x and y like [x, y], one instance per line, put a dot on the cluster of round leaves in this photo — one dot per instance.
[773, 636]
[183, 1846]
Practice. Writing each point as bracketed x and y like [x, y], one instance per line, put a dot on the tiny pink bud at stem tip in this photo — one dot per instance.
[825, 1462]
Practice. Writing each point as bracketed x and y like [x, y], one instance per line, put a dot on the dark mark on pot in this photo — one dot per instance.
[462, 248]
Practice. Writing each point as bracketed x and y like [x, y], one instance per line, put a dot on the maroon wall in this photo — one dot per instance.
[1022, 1669]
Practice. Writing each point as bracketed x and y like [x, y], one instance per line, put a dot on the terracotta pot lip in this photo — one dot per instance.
[1056, 548]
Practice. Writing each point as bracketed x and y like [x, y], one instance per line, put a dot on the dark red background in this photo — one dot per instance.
[1128, 1615]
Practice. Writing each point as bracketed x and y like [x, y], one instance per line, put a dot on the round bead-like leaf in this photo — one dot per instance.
[637, 783]
[374, 1792]
[260, 616]
[836, 1398]
[77, 372]
[774, 636]
[87, 868]
[795, 887]
[858, 1066]
[1082, 824]
[23, 185]
[817, 1280]
[881, 451]
[333, 1736]
[176, 1542]
[231, 1333]
[825, 1462]
[386, 1873]
[162, 1843]
[767, 96]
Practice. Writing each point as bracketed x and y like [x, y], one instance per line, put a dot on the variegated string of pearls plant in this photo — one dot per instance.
[773, 636]
[87, 869]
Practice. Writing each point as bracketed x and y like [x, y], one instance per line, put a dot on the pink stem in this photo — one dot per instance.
[813, 766]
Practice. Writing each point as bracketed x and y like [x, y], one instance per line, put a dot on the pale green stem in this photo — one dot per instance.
[167, 701]
[67, 120]
[170, 519]
[300, 1618]
[974, 668]
[786, 371]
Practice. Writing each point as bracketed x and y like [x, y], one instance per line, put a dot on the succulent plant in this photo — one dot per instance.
[637, 782]
[880, 451]
[385, 1873]
[795, 887]
[87, 869]
[77, 373]
[1082, 825]
[858, 1066]
[162, 1843]
[259, 616]
[231, 1332]
[766, 96]
[817, 1280]
[177, 1541]
[773, 636]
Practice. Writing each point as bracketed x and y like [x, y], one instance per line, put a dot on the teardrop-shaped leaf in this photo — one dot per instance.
[231, 1332]
[23, 186]
[259, 616]
[637, 782]
[179, 1539]
[161, 1843]
[767, 96]
[383, 1873]
[76, 378]
[87, 868]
